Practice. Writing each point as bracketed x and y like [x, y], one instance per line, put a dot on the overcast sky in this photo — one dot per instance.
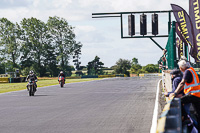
[101, 37]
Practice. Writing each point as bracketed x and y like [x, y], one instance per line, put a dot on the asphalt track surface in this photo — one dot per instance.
[119, 105]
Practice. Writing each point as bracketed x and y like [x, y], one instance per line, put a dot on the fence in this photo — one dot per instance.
[150, 75]
[170, 120]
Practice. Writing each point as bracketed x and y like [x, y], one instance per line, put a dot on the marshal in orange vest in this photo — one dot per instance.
[193, 88]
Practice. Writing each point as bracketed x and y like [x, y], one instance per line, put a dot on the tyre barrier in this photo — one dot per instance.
[90, 76]
[4, 80]
[106, 76]
[170, 120]
[12, 80]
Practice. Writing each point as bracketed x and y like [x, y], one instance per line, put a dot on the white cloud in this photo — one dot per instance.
[61, 3]
[85, 28]
[99, 36]
[36, 3]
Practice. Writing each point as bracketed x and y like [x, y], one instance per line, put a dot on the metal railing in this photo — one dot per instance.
[170, 120]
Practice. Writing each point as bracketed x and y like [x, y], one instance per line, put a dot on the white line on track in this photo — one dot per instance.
[155, 114]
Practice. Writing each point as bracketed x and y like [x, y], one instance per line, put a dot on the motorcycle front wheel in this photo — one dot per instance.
[31, 92]
[61, 84]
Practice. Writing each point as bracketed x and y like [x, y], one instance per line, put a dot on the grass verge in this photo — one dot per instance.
[8, 87]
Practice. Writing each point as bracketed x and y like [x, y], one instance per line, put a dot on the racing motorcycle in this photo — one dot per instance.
[32, 87]
[61, 81]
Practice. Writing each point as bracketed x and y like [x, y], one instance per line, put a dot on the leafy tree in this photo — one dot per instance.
[64, 40]
[36, 39]
[50, 62]
[151, 68]
[2, 67]
[44, 48]
[135, 67]
[25, 71]
[134, 61]
[95, 67]
[76, 56]
[76, 59]
[122, 66]
[9, 42]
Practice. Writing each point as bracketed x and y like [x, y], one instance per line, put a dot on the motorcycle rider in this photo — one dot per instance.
[61, 74]
[32, 77]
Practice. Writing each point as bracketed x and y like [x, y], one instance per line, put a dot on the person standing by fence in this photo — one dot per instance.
[176, 77]
[191, 85]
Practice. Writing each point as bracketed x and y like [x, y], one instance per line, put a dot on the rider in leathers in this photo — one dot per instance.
[32, 77]
[61, 74]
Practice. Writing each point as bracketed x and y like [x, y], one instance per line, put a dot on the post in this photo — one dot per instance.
[186, 51]
[169, 23]
[121, 25]
[171, 48]
[174, 44]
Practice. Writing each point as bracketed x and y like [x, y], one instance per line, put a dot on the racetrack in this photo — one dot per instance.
[118, 105]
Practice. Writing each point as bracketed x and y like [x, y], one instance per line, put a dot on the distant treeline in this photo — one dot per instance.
[34, 45]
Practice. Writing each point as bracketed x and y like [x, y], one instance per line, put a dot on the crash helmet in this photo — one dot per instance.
[31, 72]
[61, 72]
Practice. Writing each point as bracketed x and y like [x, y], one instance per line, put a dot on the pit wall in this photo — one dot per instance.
[170, 118]
[166, 80]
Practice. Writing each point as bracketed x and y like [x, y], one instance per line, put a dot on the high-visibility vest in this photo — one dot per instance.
[193, 88]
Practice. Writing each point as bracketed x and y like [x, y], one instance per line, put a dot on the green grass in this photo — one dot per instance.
[8, 87]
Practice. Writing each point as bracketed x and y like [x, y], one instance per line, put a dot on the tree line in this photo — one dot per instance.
[122, 66]
[35, 45]
[128, 67]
